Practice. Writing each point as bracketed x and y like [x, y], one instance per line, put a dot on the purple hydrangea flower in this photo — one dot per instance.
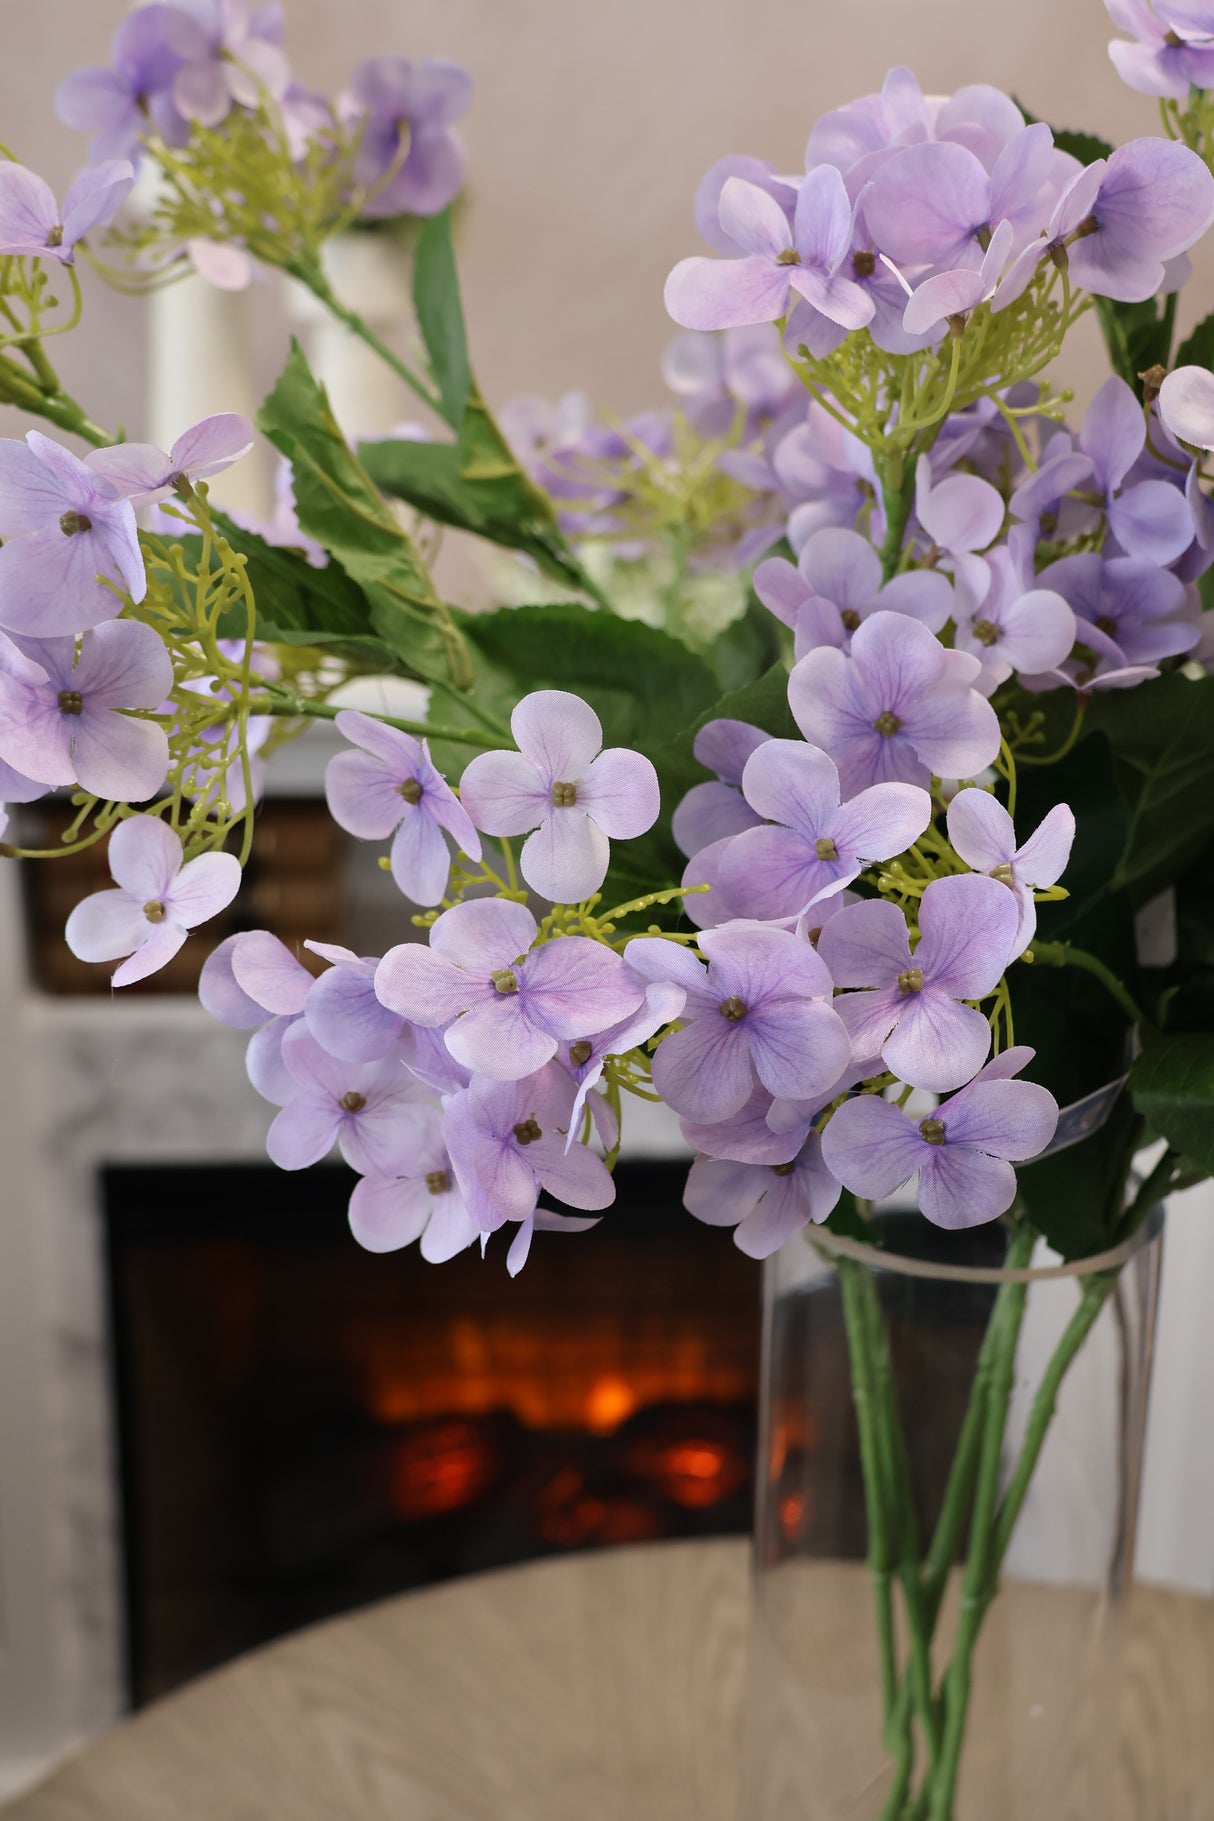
[765, 1203]
[1120, 220]
[759, 1010]
[344, 1012]
[899, 707]
[1169, 57]
[236, 55]
[809, 845]
[707, 909]
[564, 786]
[370, 1109]
[709, 812]
[1150, 518]
[852, 137]
[510, 1006]
[1137, 605]
[911, 1012]
[141, 473]
[963, 1152]
[253, 982]
[1186, 399]
[1041, 502]
[33, 225]
[157, 903]
[765, 1130]
[764, 176]
[390, 784]
[507, 1142]
[777, 262]
[714, 374]
[115, 105]
[421, 1201]
[396, 104]
[63, 527]
[1008, 626]
[934, 204]
[61, 712]
[836, 585]
[982, 832]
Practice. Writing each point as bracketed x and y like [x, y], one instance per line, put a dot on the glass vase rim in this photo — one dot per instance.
[832, 1247]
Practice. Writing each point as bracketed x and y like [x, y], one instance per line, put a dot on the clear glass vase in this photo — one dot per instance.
[950, 1460]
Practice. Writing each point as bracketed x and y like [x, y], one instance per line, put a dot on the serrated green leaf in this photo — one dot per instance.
[440, 315]
[1172, 1085]
[339, 505]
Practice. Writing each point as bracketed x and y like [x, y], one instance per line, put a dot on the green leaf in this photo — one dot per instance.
[1172, 1084]
[1137, 336]
[1197, 349]
[338, 504]
[1162, 737]
[1085, 780]
[440, 316]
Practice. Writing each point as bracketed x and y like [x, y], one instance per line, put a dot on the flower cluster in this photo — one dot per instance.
[949, 579]
[206, 86]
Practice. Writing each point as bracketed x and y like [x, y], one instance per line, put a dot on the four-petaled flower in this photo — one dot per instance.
[64, 528]
[141, 472]
[963, 1152]
[897, 707]
[809, 844]
[759, 1010]
[158, 900]
[370, 1110]
[911, 1011]
[982, 832]
[33, 224]
[564, 786]
[421, 1200]
[403, 113]
[61, 711]
[507, 1142]
[390, 784]
[505, 1005]
[807, 258]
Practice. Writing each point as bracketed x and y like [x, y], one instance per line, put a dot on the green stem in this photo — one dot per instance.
[897, 492]
[975, 1590]
[17, 388]
[280, 703]
[1064, 954]
[879, 1551]
[1154, 1188]
[316, 282]
[1091, 1301]
[891, 1446]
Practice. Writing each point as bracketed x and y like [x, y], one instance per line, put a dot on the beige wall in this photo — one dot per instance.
[591, 125]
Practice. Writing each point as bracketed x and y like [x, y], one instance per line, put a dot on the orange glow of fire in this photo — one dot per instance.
[610, 1402]
[444, 1466]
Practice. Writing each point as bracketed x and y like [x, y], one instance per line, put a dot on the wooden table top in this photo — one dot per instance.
[612, 1688]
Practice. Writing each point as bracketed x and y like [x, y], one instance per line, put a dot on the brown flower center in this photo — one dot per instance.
[527, 1131]
[1002, 872]
[985, 632]
[71, 701]
[55, 237]
[887, 725]
[864, 263]
[826, 849]
[410, 790]
[504, 980]
[850, 618]
[732, 1008]
[783, 1169]
[1106, 624]
[73, 521]
[911, 981]
[353, 1102]
[438, 1182]
[580, 1052]
[789, 257]
[153, 910]
[563, 796]
[932, 1131]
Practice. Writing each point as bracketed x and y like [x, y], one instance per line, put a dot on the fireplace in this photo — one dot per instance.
[303, 1427]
